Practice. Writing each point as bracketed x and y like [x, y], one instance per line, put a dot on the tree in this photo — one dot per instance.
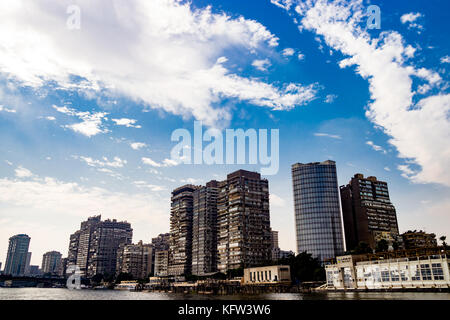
[362, 248]
[304, 267]
[124, 277]
[444, 244]
[382, 246]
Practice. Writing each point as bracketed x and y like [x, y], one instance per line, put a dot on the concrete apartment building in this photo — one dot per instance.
[204, 229]
[317, 209]
[369, 216]
[17, 256]
[135, 259]
[243, 219]
[418, 239]
[161, 248]
[94, 247]
[181, 212]
[51, 262]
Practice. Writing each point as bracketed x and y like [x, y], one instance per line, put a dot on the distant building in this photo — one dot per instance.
[161, 263]
[276, 251]
[94, 247]
[418, 239]
[243, 220]
[269, 274]
[51, 262]
[63, 267]
[27, 264]
[317, 209]
[16, 259]
[34, 271]
[286, 254]
[181, 212]
[135, 259]
[357, 272]
[369, 215]
[161, 247]
[204, 229]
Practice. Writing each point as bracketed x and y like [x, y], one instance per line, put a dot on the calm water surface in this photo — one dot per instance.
[65, 294]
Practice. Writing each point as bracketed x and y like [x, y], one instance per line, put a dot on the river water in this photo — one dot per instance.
[66, 294]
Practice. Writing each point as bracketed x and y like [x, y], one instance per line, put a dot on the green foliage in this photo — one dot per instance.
[382, 246]
[124, 277]
[304, 267]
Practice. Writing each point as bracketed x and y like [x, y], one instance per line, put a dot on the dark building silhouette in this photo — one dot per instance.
[18, 256]
[369, 215]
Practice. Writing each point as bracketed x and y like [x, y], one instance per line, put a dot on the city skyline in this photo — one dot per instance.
[86, 125]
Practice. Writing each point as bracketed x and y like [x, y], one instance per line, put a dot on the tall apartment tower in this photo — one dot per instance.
[161, 247]
[16, 259]
[180, 249]
[276, 252]
[204, 229]
[317, 209]
[94, 247]
[51, 262]
[135, 259]
[369, 215]
[243, 220]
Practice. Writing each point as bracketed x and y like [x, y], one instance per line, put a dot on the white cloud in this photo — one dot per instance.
[191, 181]
[164, 163]
[91, 125]
[300, 56]
[22, 172]
[50, 118]
[163, 54]
[261, 65]
[412, 126]
[445, 59]
[330, 98]
[129, 123]
[115, 163]
[410, 19]
[333, 136]
[5, 109]
[9, 163]
[137, 145]
[288, 52]
[376, 147]
[387, 168]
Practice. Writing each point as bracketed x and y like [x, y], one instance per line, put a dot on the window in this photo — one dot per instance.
[438, 273]
[425, 272]
[415, 273]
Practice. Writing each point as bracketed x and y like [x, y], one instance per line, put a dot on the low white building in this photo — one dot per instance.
[402, 273]
[269, 274]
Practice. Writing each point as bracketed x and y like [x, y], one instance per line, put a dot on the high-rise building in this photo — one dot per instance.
[28, 264]
[16, 259]
[161, 263]
[94, 247]
[204, 229]
[135, 259]
[276, 251]
[161, 247]
[51, 262]
[369, 215]
[317, 209]
[180, 250]
[243, 220]
[63, 267]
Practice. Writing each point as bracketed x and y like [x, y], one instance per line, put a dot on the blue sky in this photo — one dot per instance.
[80, 109]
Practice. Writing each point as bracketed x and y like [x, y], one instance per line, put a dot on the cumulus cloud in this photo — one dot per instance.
[376, 147]
[411, 20]
[137, 145]
[330, 98]
[5, 109]
[164, 163]
[129, 123]
[445, 59]
[163, 54]
[22, 172]
[91, 124]
[288, 52]
[261, 65]
[419, 127]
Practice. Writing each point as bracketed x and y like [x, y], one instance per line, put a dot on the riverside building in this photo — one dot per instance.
[17, 257]
[369, 215]
[317, 209]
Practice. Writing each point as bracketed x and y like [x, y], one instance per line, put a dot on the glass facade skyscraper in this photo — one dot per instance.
[317, 209]
[16, 260]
